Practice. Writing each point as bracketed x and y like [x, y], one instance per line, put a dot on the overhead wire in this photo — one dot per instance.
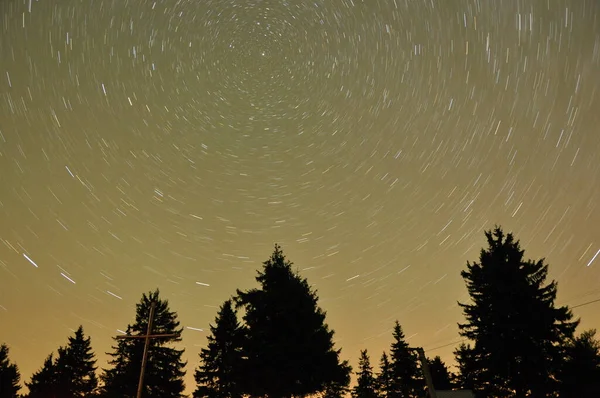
[462, 340]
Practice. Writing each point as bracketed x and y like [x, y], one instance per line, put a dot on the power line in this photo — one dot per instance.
[461, 340]
[446, 345]
[589, 302]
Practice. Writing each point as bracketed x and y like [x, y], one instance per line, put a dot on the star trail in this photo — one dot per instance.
[171, 143]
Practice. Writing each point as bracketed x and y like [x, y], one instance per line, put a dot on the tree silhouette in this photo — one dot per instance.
[580, 376]
[9, 375]
[439, 374]
[516, 330]
[44, 383]
[72, 374]
[385, 377]
[407, 381]
[165, 369]
[366, 386]
[289, 347]
[336, 389]
[75, 367]
[221, 361]
[468, 375]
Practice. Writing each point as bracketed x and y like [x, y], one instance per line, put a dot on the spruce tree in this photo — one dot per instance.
[72, 374]
[468, 375]
[580, 376]
[44, 383]
[512, 321]
[439, 374]
[366, 385]
[337, 389]
[385, 377]
[165, 368]
[289, 346]
[9, 375]
[407, 381]
[76, 367]
[220, 370]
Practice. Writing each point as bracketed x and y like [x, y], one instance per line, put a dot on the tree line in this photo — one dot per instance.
[273, 341]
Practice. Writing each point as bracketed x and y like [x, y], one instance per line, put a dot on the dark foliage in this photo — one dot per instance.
[516, 330]
[468, 375]
[366, 385]
[44, 382]
[336, 389]
[385, 377]
[165, 368]
[289, 347]
[407, 379]
[76, 367]
[439, 374]
[72, 374]
[221, 361]
[9, 375]
[581, 372]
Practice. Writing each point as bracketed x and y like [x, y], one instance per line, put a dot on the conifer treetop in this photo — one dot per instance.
[165, 320]
[165, 368]
[512, 321]
[288, 344]
[9, 375]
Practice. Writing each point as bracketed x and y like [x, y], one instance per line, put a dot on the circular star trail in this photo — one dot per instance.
[172, 143]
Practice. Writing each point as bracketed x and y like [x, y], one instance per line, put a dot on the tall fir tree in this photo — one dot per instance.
[289, 346]
[44, 382]
[516, 330]
[440, 375]
[366, 385]
[220, 370]
[76, 367]
[71, 374]
[407, 381]
[9, 375]
[385, 377]
[580, 376]
[164, 370]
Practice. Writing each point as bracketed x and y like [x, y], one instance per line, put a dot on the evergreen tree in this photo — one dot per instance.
[407, 381]
[9, 375]
[221, 361]
[516, 329]
[289, 346]
[75, 367]
[44, 383]
[337, 389]
[165, 368]
[385, 377]
[580, 376]
[366, 386]
[468, 374]
[72, 374]
[439, 374]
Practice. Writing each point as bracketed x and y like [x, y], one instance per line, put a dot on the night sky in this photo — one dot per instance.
[170, 144]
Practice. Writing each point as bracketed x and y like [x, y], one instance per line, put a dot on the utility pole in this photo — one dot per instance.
[426, 373]
[147, 337]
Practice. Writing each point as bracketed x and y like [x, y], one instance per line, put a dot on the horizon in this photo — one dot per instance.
[191, 384]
